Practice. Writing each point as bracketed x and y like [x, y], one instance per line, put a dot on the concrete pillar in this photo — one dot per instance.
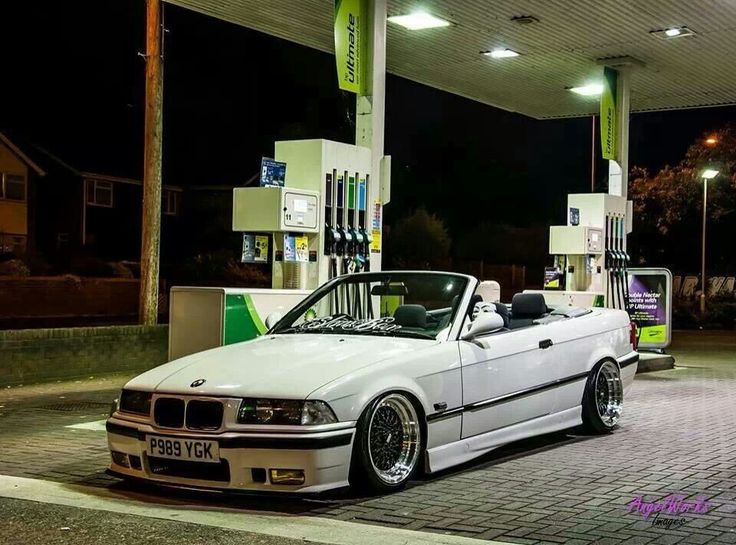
[370, 109]
[618, 171]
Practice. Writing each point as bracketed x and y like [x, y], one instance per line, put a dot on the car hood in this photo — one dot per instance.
[277, 366]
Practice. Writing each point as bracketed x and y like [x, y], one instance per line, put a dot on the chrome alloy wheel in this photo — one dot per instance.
[394, 439]
[609, 393]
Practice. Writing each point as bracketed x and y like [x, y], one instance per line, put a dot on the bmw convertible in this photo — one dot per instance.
[374, 378]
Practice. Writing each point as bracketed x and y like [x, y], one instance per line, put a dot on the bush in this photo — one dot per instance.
[90, 266]
[721, 314]
[14, 267]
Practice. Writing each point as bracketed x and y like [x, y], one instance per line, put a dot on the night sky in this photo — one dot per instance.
[73, 83]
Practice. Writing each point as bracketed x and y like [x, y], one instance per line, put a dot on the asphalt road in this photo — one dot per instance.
[26, 522]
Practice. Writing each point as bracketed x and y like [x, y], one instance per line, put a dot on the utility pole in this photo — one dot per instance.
[151, 239]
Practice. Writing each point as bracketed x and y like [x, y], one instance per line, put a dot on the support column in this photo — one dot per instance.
[370, 110]
[151, 228]
[618, 171]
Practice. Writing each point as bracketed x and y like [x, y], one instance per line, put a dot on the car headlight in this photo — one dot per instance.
[285, 412]
[135, 402]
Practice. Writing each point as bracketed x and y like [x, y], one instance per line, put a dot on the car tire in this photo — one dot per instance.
[388, 445]
[603, 399]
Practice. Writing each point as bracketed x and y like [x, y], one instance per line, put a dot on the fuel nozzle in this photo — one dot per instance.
[359, 259]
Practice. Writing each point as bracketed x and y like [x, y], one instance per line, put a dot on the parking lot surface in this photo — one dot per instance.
[677, 438]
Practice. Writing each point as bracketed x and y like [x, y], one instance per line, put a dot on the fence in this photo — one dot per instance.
[688, 287]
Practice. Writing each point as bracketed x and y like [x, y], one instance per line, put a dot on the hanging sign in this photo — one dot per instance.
[255, 248]
[289, 248]
[609, 132]
[650, 306]
[350, 44]
[301, 245]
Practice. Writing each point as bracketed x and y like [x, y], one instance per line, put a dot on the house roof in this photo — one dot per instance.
[43, 162]
[21, 155]
[122, 180]
[561, 46]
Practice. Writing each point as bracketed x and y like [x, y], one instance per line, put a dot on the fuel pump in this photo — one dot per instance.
[591, 249]
[339, 175]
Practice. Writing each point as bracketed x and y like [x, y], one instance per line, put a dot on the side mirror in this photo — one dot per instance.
[272, 319]
[484, 324]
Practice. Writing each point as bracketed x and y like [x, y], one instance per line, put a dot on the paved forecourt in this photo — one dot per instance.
[677, 439]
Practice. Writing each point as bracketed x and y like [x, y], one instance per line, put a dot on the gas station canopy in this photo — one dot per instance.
[561, 44]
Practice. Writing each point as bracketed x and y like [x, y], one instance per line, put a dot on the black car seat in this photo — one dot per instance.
[525, 308]
[411, 316]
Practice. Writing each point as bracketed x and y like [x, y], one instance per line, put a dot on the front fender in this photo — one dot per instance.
[432, 377]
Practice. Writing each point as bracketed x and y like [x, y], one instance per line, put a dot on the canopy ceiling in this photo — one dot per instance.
[561, 49]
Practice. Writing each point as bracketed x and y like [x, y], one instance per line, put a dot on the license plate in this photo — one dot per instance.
[191, 450]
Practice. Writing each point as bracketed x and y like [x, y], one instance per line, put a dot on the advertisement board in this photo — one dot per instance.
[650, 306]
[273, 173]
[255, 248]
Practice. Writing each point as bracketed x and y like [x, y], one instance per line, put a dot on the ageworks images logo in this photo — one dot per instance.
[672, 505]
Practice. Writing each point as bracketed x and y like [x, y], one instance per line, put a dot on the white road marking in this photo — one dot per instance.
[316, 529]
[97, 425]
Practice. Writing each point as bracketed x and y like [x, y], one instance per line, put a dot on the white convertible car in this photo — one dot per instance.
[373, 378]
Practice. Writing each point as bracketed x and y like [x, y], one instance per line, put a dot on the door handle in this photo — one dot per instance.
[546, 343]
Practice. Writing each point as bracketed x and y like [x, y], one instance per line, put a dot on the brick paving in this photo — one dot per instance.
[677, 437]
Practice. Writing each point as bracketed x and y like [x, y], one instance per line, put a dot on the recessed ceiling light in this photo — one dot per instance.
[418, 21]
[588, 90]
[501, 53]
[673, 32]
[524, 19]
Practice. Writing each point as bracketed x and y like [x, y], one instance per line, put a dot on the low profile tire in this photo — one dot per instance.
[603, 400]
[388, 445]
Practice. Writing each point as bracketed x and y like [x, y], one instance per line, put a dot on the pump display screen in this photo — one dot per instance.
[418, 305]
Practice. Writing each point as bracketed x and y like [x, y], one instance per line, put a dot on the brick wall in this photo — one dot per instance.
[66, 301]
[37, 355]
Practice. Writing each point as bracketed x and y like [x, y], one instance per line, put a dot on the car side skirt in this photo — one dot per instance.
[466, 449]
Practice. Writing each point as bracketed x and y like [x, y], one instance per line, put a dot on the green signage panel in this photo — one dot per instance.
[609, 132]
[350, 45]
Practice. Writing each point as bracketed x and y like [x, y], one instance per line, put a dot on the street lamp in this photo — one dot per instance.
[708, 174]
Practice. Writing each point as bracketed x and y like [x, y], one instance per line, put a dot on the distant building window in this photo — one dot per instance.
[12, 187]
[170, 202]
[99, 193]
[12, 244]
[62, 240]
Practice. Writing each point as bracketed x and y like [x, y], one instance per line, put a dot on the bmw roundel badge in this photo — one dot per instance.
[197, 383]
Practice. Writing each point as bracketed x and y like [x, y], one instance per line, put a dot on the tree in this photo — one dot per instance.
[419, 241]
[668, 207]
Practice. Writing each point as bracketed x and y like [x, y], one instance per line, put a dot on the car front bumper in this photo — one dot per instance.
[245, 458]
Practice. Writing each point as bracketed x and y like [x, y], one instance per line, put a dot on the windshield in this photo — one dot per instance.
[418, 305]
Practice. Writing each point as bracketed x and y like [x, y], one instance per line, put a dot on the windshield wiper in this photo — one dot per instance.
[405, 334]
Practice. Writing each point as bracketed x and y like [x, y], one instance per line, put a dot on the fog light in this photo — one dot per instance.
[120, 458]
[135, 462]
[287, 476]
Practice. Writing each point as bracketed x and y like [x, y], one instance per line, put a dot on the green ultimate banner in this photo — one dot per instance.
[350, 44]
[609, 132]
